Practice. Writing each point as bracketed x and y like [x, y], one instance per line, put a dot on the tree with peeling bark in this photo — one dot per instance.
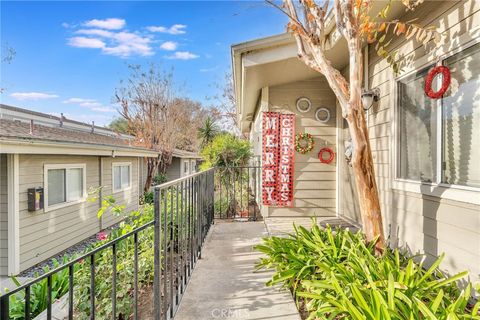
[157, 117]
[354, 22]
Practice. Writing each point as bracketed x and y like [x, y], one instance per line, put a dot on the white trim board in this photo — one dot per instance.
[13, 214]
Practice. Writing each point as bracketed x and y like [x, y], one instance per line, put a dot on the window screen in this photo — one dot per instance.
[461, 120]
[417, 130]
[56, 186]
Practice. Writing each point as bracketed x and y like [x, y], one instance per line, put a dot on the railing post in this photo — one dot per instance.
[4, 307]
[156, 259]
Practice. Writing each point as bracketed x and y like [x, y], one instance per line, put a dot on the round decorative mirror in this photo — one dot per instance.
[304, 104]
[322, 115]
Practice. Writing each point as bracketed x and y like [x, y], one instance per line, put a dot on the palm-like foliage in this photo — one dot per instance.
[208, 131]
[338, 276]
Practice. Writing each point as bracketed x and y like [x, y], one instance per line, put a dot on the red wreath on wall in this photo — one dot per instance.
[445, 82]
[326, 160]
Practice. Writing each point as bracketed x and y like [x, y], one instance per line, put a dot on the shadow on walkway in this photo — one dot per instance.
[224, 284]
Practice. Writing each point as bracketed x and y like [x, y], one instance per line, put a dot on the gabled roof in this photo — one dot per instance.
[273, 60]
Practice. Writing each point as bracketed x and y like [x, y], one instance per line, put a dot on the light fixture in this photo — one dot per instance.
[368, 97]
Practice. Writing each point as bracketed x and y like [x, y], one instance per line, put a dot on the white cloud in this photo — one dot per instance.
[110, 24]
[95, 32]
[78, 100]
[82, 42]
[175, 29]
[122, 44]
[183, 55]
[169, 46]
[209, 69]
[91, 104]
[32, 96]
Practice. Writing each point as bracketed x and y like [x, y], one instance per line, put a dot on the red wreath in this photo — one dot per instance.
[445, 82]
[330, 152]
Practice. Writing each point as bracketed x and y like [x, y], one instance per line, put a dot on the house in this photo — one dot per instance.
[48, 165]
[426, 152]
[183, 164]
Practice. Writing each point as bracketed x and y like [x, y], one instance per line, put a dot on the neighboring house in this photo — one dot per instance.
[183, 164]
[426, 152]
[47, 167]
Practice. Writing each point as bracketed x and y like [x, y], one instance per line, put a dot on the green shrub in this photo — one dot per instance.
[226, 150]
[336, 275]
[147, 198]
[103, 269]
[159, 179]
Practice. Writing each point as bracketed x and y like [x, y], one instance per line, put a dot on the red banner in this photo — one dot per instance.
[278, 158]
[287, 159]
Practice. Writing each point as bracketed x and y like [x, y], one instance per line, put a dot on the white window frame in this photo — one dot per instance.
[46, 167]
[192, 166]
[187, 171]
[437, 188]
[121, 164]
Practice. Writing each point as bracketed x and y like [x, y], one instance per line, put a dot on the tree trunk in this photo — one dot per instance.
[151, 170]
[164, 162]
[362, 163]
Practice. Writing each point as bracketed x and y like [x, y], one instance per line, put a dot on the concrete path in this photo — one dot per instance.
[224, 284]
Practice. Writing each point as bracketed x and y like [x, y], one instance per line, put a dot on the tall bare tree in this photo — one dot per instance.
[148, 102]
[354, 23]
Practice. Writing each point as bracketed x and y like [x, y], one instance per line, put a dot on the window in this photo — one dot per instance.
[122, 176]
[185, 167]
[193, 166]
[461, 120]
[438, 140]
[416, 130]
[65, 184]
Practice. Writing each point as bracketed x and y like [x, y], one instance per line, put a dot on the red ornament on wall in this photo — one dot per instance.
[445, 82]
[331, 155]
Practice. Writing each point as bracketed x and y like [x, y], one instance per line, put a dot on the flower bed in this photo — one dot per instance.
[336, 275]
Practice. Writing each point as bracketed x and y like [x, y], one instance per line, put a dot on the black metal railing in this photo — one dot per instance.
[237, 192]
[183, 214]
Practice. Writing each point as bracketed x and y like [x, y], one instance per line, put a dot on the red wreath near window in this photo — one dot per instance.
[327, 160]
[445, 82]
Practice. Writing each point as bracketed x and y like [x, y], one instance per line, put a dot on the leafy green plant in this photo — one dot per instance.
[147, 197]
[103, 267]
[336, 275]
[38, 292]
[159, 179]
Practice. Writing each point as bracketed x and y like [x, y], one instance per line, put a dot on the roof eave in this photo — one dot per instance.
[33, 146]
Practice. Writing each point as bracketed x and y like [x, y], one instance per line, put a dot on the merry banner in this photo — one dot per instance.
[278, 158]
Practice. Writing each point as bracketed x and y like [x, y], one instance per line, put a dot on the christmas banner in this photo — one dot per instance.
[278, 158]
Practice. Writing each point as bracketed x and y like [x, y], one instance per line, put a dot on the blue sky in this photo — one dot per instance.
[70, 56]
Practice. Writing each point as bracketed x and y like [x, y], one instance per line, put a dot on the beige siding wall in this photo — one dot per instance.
[3, 216]
[315, 182]
[128, 197]
[421, 222]
[174, 170]
[43, 234]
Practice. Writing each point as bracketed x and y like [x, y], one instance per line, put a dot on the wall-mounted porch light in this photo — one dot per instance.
[368, 97]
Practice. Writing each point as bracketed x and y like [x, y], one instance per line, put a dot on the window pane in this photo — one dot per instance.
[74, 184]
[56, 186]
[185, 167]
[461, 120]
[125, 176]
[117, 178]
[417, 130]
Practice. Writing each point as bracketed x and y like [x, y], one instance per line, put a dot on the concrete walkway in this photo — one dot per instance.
[224, 284]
